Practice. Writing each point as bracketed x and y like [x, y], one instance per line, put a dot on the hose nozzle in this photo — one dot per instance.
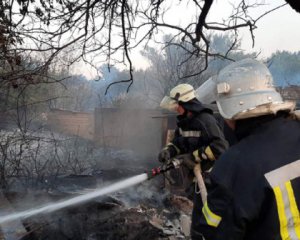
[154, 172]
[175, 163]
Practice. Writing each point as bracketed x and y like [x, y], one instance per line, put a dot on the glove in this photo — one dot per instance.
[205, 157]
[164, 155]
[187, 160]
[204, 153]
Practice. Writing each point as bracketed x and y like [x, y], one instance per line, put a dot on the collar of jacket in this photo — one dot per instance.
[194, 106]
[246, 127]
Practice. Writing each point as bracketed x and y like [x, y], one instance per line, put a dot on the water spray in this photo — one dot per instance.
[76, 200]
[91, 195]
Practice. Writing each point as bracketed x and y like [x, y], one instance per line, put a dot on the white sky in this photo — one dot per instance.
[280, 30]
[276, 31]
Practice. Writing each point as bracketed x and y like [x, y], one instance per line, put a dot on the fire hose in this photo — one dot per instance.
[176, 163]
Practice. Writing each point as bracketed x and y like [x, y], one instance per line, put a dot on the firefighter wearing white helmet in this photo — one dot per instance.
[197, 127]
[245, 89]
[255, 185]
[198, 136]
[183, 92]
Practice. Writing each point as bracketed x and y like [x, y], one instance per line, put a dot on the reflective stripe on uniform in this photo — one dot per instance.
[287, 208]
[209, 153]
[189, 133]
[196, 155]
[294, 208]
[211, 218]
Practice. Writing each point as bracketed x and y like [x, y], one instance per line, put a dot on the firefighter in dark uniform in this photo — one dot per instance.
[255, 186]
[198, 134]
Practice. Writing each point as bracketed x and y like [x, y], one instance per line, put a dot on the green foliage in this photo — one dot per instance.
[285, 68]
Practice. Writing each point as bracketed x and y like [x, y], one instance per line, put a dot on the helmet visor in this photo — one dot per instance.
[207, 93]
[169, 104]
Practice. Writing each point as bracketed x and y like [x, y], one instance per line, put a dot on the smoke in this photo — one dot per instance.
[75, 200]
[284, 67]
[149, 193]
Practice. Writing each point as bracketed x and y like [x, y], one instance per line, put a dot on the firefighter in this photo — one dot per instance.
[197, 130]
[255, 185]
[198, 135]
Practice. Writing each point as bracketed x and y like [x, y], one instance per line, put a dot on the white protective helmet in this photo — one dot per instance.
[182, 92]
[245, 89]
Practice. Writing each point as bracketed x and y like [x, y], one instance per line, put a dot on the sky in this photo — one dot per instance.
[277, 31]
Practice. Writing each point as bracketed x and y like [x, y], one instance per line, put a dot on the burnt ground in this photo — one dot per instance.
[145, 211]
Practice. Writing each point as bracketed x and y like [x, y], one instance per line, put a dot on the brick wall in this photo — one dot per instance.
[74, 123]
[141, 130]
[138, 129]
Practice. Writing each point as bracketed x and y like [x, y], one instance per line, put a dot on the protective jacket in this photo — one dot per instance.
[255, 186]
[198, 132]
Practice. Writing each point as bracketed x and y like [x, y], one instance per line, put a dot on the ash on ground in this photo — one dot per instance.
[68, 168]
[142, 212]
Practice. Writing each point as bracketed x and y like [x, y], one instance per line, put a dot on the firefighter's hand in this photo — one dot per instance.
[164, 155]
[204, 154]
[205, 157]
